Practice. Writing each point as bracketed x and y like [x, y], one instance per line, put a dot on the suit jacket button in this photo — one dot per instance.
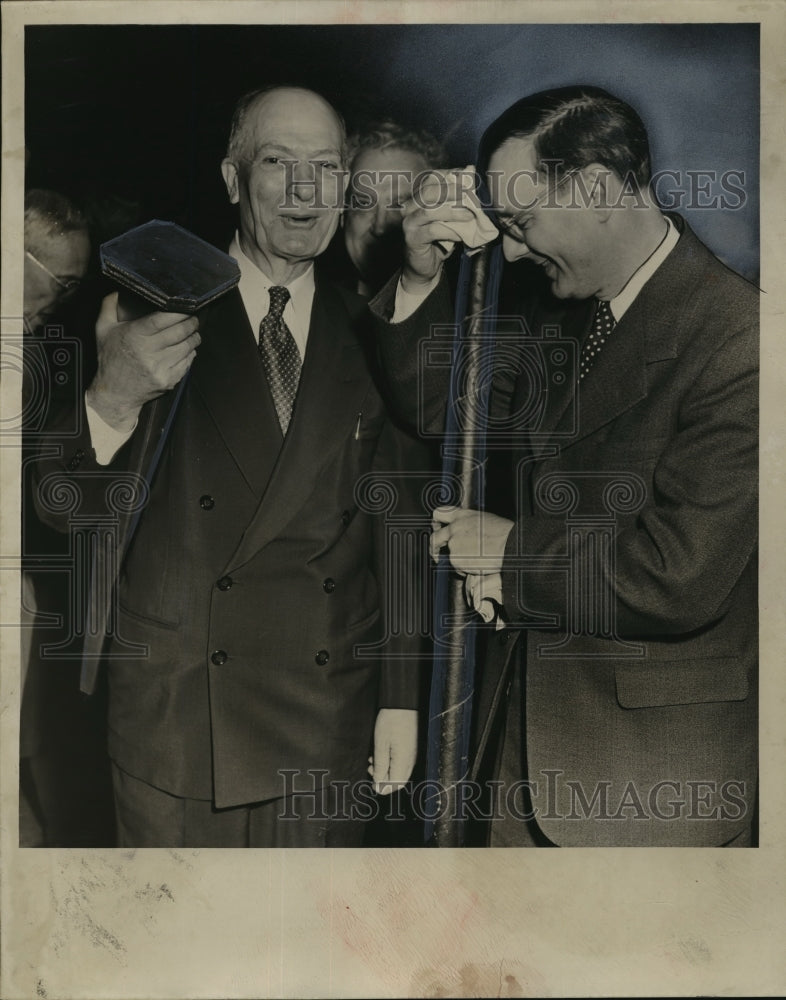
[206, 502]
[322, 657]
[219, 657]
[345, 517]
[225, 583]
[329, 585]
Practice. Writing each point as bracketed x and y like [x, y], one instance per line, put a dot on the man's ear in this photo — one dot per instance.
[600, 189]
[229, 173]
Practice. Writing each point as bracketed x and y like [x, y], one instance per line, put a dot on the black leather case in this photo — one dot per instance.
[167, 267]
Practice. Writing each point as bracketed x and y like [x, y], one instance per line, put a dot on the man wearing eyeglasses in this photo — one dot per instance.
[57, 251]
[617, 701]
[56, 255]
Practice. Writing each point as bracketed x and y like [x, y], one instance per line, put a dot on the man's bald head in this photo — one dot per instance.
[252, 104]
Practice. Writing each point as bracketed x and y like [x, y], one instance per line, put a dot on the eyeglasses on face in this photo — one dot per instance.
[69, 285]
[513, 225]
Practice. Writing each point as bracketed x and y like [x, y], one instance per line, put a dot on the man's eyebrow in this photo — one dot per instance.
[278, 148]
[330, 151]
[274, 146]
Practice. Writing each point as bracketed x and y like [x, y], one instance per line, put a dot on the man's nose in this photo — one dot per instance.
[514, 249]
[302, 180]
[384, 219]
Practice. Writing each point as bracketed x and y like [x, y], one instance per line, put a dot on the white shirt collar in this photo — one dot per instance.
[254, 287]
[620, 304]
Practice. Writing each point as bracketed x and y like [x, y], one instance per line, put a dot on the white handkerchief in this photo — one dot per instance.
[476, 232]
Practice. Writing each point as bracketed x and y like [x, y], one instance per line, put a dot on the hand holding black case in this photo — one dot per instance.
[160, 265]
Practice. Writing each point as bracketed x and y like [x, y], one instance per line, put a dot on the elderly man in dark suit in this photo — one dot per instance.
[255, 574]
[618, 696]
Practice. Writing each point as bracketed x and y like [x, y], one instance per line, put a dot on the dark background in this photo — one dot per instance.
[133, 120]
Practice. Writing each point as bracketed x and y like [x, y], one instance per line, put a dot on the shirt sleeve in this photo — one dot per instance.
[106, 441]
[407, 302]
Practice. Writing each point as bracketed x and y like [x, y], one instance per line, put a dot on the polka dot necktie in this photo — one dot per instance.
[602, 325]
[280, 356]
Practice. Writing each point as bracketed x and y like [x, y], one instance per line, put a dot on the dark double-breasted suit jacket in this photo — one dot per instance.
[629, 577]
[255, 571]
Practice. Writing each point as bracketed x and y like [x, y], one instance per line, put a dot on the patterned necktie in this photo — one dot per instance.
[602, 325]
[280, 356]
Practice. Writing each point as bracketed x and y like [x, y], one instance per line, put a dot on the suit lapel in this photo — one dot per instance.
[230, 379]
[647, 333]
[333, 383]
[615, 383]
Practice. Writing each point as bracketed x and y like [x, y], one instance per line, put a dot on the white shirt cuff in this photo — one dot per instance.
[407, 302]
[106, 441]
[484, 594]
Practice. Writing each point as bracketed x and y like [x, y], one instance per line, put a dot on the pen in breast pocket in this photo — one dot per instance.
[357, 427]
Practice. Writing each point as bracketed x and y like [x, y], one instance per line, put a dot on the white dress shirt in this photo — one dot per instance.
[621, 302]
[254, 287]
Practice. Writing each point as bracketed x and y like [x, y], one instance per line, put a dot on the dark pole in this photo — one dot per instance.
[453, 682]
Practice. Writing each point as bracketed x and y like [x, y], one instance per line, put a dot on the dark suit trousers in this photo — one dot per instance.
[150, 817]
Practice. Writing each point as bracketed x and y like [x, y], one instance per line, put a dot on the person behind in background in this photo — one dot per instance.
[57, 252]
[385, 160]
[56, 257]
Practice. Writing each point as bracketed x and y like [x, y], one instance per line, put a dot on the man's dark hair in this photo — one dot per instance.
[48, 213]
[575, 126]
[237, 130]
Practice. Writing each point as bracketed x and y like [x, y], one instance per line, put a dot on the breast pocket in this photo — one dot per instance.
[681, 682]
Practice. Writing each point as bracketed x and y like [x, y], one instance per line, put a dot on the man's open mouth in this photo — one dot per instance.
[299, 220]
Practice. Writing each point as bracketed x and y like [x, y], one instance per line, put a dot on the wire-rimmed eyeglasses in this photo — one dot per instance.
[512, 225]
[68, 285]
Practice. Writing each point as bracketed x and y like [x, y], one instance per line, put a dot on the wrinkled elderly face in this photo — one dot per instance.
[289, 183]
[381, 181]
[66, 256]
